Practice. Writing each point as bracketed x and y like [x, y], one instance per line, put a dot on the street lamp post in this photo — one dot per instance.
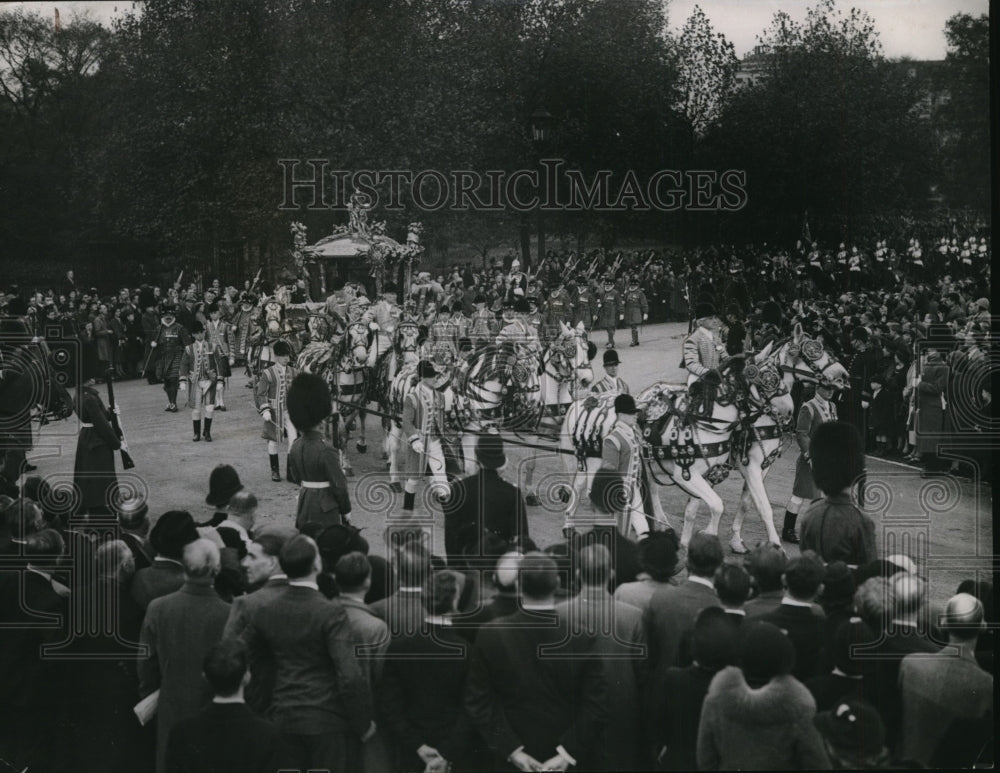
[541, 124]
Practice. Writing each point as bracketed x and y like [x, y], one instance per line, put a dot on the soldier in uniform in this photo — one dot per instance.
[621, 455]
[150, 322]
[270, 395]
[94, 467]
[218, 335]
[313, 463]
[610, 381]
[609, 310]
[170, 341]
[584, 304]
[423, 424]
[813, 412]
[558, 308]
[483, 324]
[200, 371]
[242, 328]
[636, 309]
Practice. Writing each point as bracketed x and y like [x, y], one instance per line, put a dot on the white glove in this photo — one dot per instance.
[864, 404]
[373, 326]
[268, 416]
[418, 446]
[152, 344]
[621, 317]
[368, 733]
[645, 317]
[524, 761]
[182, 386]
[232, 361]
[428, 754]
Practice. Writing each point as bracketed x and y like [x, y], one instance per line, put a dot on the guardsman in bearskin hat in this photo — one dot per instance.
[271, 397]
[483, 326]
[621, 459]
[170, 341]
[218, 335]
[636, 308]
[242, 328]
[199, 374]
[94, 478]
[702, 348]
[312, 462]
[423, 424]
[609, 310]
[772, 325]
[610, 381]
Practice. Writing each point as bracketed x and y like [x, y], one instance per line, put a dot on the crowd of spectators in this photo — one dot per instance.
[271, 649]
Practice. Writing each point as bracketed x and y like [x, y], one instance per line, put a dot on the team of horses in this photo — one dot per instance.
[539, 394]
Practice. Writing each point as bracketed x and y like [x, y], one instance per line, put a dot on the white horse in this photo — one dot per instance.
[687, 447]
[566, 371]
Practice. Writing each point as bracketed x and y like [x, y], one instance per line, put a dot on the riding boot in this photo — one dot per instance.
[275, 469]
[208, 430]
[788, 530]
[197, 430]
[408, 500]
[635, 336]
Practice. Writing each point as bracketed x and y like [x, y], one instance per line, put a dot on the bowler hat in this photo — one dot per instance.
[172, 531]
[625, 404]
[704, 309]
[489, 451]
[426, 369]
[222, 484]
[611, 358]
[132, 512]
[309, 401]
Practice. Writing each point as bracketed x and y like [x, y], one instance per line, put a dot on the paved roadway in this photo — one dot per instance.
[946, 521]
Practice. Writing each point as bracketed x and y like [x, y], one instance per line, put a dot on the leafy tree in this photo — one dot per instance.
[706, 71]
[967, 113]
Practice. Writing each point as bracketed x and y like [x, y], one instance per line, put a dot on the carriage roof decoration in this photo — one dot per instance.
[360, 237]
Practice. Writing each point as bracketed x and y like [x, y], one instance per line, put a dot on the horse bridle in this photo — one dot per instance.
[809, 351]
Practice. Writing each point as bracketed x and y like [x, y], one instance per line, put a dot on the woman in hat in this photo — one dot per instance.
[312, 462]
[931, 419]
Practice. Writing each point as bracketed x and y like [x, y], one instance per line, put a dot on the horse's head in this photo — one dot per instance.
[571, 355]
[407, 338]
[801, 358]
[355, 343]
[320, 327]
[768, 391]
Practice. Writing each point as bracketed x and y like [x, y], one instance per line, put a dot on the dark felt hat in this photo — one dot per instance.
[611, 358]
[146, 297]
[456, 307]
[309, 401]
[767, 652]
[853, 728]
[248, 298]
[838, 584]
[480, 298]
[171, 532]
[426, 369]
[625, 404]
[771, 312]
[281, 349]
[197, 327]
[489, 451]
[222, 484]
[521, 306]
[168, 307]
[860, 334]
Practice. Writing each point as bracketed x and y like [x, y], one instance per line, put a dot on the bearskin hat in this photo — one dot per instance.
[704, 309]
[521, 306]
[248, 298]
[281, 349]
[146, 297]
[838, 456]
[197, 327]
[309, 401]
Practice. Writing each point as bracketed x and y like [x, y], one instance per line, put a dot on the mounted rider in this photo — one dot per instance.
[704, 353]
[483, 326]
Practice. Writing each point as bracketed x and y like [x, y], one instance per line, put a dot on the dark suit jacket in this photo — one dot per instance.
[518, 695]
[262, 669]
[675, 711]
[142, 553]
[319, 687]
[671, 612]
[830, 689]
[481, 503]
[161, 578]
[224, 738]
[501, 605]
[403, 612]
[421, 695]
[807, 632]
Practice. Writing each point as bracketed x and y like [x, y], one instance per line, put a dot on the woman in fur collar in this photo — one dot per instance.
[758, 716]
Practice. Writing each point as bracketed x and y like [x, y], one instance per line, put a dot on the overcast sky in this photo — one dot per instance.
[913, 28]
